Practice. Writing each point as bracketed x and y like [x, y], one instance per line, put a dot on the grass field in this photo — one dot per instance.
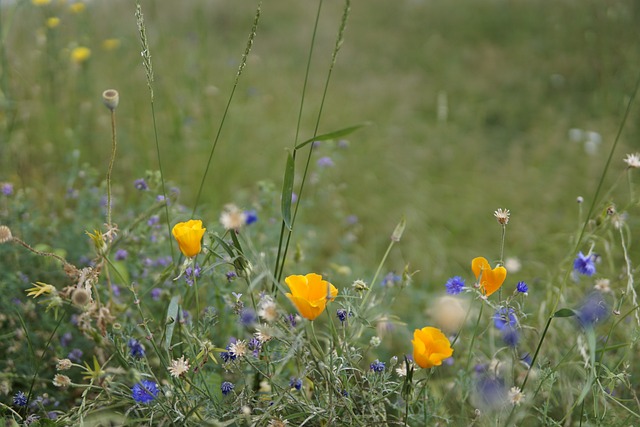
[471, 106]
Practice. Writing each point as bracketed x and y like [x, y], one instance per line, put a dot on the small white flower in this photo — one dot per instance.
[603, 285]
[633, 160]
[502, 215]
[263, 333]
[238, 348]
[375, 341]
[232, 217]
[179, 367]
[516, 396]
[268, 310]
[63, 364]
[61, 381]
[512, 264]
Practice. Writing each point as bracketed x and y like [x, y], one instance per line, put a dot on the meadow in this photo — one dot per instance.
[412, 212]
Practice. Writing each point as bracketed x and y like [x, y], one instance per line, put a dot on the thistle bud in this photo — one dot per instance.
[111, 97]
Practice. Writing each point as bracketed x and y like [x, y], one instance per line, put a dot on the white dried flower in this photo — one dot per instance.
[238, 348]
[502, 215]
[61, 381]
[179, 367]
[516, 396]
[63, 364]
[232, 217]
[633, 160]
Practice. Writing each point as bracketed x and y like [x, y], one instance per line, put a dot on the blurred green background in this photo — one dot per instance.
[472, 105]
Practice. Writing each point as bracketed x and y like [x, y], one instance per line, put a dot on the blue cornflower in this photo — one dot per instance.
[255, 345]
[593, 310]
[522, 287]
[140, 184]
[377, 366]
[247, 316]
[526, 359]
[295, 383]
[226, 387]
[121, 254]
[491, 391]
[251, 216]
[325, 162]
[20, 399]
[145, 391]
[454, 285]
[227, 355]
[135, 348]
[342, 314]
[585, 264]
[505, 317]
[510, 336]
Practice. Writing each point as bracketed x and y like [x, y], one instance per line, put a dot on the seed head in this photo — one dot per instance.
[5, 234]
[502, 215]
[111, 98]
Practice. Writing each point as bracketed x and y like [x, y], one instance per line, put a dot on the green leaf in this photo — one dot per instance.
[170, 324]
[564, 312]
[591, 342]
[287, 190]
[332, 135]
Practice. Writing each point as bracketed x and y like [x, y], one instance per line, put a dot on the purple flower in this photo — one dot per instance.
[593, 310]
[391, 279]
[491, 391]
[526, 359]
[292, 320]
[145, 391]
[255, 345]
[135, 348]
[325, 162]
[227, 355]
[192, 273]
[75, 355]
[251, 216]
[121, 255]
[226, 387]
[295, 383]
[231, 275]
[65, 339]
[6, 188]
[585, 264]
[377, 366]
[510, 336]
[155, 293]
[153, 220]
[505, 317]
[19, 399]
[116, 290]
[454, 285]
[522, 287]
[140, 184]
[247, 316]
[342, 314]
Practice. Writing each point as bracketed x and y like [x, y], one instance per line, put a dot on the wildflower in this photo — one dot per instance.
[179, 367]
[449, 313]
[512, 264]
[295, 383]
[268, 309]
[140, 184]
[40, 2]
[391, 279]
[189, 234]
[77, 7]
[490, 391]
[516, 396]
[593, 310]
[75, 355]
[232, 218]
[278, 422]
[489, 279]
[255, 345]
[293, 320]
[20, 399]
[226, 387]
[505, 317]
[5, 234]
[342, 314]
[603, 285]
[310, 294]
[80, 54]
[136, 349]
[375, 341]
[430, 347]
[250, 217]
[6, 188]
[522, 288]
[510, 336]
[325, 162]
[191, 274]
[80, 297]
[61, 381]
[454, 285]
[121, 255]
[63, 364]
[40, 288]
[238, 349]
[247, 317]
[585, 264]
[633, 160]
[110, 44]
[263, 333]
[502, 215]
[111, 99]
[360, 285]
[144, 391]
[377, 366]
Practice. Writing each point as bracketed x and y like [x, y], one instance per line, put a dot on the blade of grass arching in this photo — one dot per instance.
[332, 135]
[336, 49]
[148, 69]
[243, 63]
[277, 271]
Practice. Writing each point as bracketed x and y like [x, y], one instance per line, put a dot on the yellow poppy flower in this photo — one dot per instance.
[490, 279]
[189, 234]
[310, 294]
[80, 54]
[430, 347]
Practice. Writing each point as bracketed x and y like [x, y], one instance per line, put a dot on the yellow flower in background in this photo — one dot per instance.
[53, 22]
[430, 347]
[40, 288]
[490, 280]
[188, 235]
[40, 2]
[80, 54]
[77, 7]
[310, 294]
[110, 44]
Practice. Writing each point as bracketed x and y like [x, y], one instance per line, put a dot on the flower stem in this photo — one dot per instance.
[109, 171]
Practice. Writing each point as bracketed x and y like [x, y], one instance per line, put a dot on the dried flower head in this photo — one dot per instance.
[516, 396]
[633, 161]
[238, 348]
[502, 215]
[232, 217]
[62, 381]
[63, 364]
[111, 98]
[359, 285]
[179, 367]
[5, 234]
[80, 297]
